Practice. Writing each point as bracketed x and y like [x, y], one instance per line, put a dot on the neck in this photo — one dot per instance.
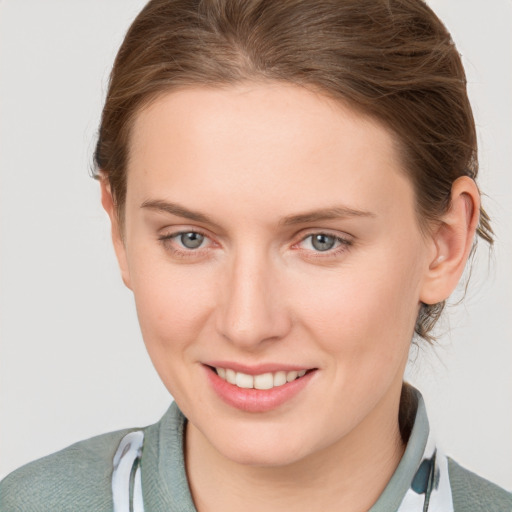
[349, 475]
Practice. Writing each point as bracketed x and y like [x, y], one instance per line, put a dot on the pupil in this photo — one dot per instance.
[191, 240]
[323, 242]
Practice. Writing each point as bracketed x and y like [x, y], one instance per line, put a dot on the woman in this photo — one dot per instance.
[292, 197]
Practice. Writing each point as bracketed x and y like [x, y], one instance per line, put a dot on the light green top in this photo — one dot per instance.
[78, 478]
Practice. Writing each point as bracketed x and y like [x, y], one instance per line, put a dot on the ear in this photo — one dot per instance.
[452, 241]
[117, 236]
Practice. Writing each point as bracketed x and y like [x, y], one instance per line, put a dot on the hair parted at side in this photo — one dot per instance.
[391, 59]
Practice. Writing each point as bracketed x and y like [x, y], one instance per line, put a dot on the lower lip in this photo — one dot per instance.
[256, 400]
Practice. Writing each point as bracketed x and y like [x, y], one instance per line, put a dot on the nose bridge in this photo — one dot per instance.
[252, 310]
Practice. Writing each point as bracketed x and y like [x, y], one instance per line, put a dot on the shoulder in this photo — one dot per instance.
[472, 493]
[75, 479]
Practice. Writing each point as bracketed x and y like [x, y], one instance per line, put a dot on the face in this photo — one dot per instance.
[271, 242]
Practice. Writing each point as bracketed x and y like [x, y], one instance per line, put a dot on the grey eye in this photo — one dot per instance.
[322, 242]
[191, 240]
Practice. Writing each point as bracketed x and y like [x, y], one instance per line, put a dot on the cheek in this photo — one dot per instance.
[365, 311]
[172, 307]
[172, 303]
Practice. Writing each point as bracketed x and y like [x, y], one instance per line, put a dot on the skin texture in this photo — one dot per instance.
[257, 291]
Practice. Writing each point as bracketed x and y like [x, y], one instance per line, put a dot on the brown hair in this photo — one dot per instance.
[391, 59]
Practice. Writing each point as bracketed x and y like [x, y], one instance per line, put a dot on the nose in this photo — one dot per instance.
[252, 309]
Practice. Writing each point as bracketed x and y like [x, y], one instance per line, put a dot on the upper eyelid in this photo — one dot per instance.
[339, 236]
[341, 241]
[166, 237]
[171, 233]
[336, 237]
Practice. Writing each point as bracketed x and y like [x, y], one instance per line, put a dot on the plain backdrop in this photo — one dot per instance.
[72, 361]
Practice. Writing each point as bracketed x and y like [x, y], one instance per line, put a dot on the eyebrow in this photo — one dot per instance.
[336, 212]
[175, 209]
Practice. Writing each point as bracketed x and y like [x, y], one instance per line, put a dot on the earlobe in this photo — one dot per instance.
[452, 241]
[108, 203]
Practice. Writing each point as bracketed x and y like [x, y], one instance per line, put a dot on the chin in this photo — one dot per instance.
[261, 445]
[268, 456]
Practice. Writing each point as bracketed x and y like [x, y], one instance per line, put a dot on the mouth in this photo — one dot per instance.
[267, 380]
[258, 390]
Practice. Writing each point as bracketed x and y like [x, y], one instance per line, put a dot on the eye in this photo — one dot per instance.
[184, 242]
[324, 243]
[190, 239]
[321, 242]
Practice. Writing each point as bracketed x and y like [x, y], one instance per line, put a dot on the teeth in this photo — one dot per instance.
[279, 378]
[291, 376]
[264, 381]
[230, 376]
[244, 381]
[261, 381]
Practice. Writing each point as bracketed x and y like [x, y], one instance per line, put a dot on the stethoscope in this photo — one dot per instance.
[430, 489]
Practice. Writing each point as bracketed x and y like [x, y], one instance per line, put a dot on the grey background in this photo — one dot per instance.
[72, 362]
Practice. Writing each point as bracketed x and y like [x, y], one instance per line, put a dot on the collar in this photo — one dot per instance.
[421, 482]
[150, 463]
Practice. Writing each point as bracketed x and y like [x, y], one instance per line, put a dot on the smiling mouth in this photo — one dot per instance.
[262, 381]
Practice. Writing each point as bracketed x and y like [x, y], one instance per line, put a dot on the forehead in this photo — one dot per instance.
[261, 143]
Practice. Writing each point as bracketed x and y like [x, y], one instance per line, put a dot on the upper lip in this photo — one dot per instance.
[259, 368]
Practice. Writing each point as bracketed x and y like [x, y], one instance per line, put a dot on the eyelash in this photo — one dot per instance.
[166, 241]
[344, 245]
